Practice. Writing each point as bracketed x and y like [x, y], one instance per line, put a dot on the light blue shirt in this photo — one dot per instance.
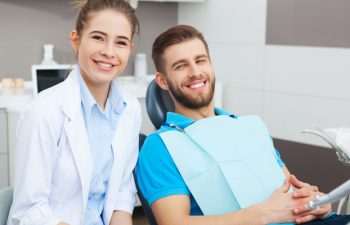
[101, 127]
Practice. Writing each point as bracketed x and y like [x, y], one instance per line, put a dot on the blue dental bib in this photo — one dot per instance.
[227, 163]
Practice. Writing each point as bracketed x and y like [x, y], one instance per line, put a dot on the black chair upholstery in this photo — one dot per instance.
[158, 103]
[146, 208]
[142, 138]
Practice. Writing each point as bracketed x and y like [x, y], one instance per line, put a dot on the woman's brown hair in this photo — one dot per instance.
[90, 6]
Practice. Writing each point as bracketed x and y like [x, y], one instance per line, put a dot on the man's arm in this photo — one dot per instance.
[175, 210]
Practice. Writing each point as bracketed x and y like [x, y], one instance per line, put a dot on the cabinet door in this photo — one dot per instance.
[3, 132]
[12, 118]
[4, 181]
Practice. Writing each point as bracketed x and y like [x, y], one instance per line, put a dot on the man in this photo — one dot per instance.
[166, 173]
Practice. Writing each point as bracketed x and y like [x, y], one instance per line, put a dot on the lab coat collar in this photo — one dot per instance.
[71, 94]
[115, 97]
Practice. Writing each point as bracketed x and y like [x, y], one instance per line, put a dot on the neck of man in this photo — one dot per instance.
[196, 114]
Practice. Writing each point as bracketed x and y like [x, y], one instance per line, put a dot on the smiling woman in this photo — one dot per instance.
[77, 143]
[103, 52]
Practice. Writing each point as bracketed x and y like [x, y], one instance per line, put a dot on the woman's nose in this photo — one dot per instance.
[108, 51]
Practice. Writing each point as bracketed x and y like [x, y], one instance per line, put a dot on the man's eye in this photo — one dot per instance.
[179, 67]
[201, 61]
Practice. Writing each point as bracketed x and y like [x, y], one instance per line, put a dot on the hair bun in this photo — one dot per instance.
[79, 3]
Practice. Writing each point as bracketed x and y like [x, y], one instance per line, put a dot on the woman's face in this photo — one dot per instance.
[104, 47]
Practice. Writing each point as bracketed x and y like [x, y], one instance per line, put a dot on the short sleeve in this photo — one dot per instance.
[279, 160]
[278, 156]
[157, 174]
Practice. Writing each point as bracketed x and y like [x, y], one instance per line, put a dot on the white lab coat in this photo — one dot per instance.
[54, 163]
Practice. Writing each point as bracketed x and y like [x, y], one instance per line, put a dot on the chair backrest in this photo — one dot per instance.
[5, 204]
[146, 208]
[158, 103]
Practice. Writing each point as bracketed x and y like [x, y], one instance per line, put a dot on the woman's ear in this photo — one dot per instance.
[161, 81]
[74, 40]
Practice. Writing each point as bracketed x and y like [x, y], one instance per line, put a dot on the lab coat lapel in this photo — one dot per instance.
[78, 141]
[76, 132]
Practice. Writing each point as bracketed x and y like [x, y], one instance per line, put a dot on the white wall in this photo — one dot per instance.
[27, 25]
[291, 87]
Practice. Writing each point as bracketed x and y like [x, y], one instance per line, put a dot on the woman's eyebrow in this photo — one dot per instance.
[105, 34]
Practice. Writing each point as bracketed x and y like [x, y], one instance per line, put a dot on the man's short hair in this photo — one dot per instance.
[175, 35]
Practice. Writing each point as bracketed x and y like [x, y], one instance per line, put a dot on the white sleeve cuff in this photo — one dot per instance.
[39, 214]
[125, 202]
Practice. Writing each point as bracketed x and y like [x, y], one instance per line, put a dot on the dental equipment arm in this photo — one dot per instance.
[341, 153]
[333, 196]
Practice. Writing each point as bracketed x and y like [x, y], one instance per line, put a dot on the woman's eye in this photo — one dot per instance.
[96, 37]
[122, 43]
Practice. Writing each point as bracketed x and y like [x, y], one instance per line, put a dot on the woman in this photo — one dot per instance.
[77, 142]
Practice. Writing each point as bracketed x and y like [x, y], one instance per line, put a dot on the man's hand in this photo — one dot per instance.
[307, 192]
[279, 207]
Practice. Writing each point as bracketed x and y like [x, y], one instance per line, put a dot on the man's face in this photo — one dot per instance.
[189, 74]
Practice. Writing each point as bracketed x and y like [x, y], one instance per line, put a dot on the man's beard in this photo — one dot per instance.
[192, 102]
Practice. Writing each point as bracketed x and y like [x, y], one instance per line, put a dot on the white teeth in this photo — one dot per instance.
[105, 65]
[197, 85]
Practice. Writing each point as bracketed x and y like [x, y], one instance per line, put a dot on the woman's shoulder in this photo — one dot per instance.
[46, 106]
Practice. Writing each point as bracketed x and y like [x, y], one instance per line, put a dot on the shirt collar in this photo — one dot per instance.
[183, 121]
[87, 100]
[115, 97]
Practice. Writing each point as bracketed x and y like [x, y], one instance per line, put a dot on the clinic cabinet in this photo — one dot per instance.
[4, 182]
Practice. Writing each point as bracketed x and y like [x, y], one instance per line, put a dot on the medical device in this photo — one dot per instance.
[339, 140]
[333, 196]
[342, 151]
[45, 76]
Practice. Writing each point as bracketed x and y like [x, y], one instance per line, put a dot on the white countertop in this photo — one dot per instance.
[14, 99]
[136, 88]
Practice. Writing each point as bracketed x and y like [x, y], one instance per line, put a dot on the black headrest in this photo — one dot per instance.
[158, 103]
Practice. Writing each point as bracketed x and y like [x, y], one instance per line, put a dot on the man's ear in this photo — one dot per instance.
[161, 81]
[74, 40]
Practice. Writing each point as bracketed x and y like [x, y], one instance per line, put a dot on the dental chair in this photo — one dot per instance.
[158, 103]
[146, 208]
[5, 204]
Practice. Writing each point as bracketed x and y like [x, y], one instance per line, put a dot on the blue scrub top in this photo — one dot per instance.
[157, 174]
